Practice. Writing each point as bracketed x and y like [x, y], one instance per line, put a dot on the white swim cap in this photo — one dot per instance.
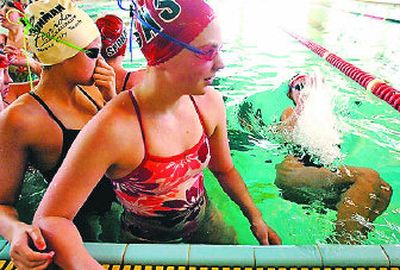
[54, 25]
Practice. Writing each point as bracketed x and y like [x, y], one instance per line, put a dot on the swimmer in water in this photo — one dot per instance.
[353, 191]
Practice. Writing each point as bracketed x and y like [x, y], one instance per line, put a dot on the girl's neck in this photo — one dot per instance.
[53, 85]
[157, 92]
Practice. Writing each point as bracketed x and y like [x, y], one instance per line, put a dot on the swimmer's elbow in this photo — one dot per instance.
[222, 172]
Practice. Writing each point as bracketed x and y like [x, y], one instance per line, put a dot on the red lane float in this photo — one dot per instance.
[373, 16]
[378, 87]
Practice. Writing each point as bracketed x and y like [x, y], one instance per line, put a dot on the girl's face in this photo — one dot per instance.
[296, 96]
[80, 68]
[194, 72]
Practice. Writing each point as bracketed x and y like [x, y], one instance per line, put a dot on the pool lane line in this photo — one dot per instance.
[377, 86]
[371, 16]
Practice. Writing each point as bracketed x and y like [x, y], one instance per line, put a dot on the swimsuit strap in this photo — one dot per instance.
[128, 74]
[198, 113]
[44, 105]
[89, 98]
[136, 105]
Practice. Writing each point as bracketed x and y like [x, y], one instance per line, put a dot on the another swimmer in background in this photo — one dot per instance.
[114, 39]
[154, 143]
[358, 194]
[13, 43]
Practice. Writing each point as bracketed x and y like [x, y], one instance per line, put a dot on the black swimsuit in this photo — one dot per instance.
[102, 195]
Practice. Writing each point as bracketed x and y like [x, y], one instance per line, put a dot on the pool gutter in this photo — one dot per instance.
[379, 257]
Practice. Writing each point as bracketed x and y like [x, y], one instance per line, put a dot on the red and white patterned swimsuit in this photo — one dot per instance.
[164, 197]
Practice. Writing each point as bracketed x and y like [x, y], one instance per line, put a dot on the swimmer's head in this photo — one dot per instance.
[59, 29]
[113, 36]
[295, 85]
[164, 29]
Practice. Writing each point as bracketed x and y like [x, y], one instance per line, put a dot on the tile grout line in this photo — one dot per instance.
[386, 255]
[320, 256]
[188, 255]
[4, 247]
[124, 254]
[254, 258]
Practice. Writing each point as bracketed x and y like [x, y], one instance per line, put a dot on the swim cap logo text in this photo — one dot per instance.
[37, 27]
[169, 10]
[113, 49]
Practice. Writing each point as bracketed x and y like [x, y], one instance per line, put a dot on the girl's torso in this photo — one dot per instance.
[101, 198]
[164, 197]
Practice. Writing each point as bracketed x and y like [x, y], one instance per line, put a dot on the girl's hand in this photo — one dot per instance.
[15, 56]
[23, 255]
[265, 234]
[104, 79]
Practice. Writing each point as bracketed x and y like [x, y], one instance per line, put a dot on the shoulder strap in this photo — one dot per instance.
[136, 106]
[44, 105]
[198, 112]
[128, 74]
[89, 98]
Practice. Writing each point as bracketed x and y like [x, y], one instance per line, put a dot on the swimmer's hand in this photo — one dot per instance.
[15, 55]
[104, 79]
[265, 234]
[25, 257]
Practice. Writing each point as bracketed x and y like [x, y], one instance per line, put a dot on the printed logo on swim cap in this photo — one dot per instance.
[113, 49]
[65, 23]
[58, 30]
[168, 11]
[164, 26]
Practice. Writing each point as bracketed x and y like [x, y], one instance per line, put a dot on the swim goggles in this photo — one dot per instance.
[207, 52]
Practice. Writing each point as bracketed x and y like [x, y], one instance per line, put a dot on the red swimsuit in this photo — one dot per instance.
[164, 197]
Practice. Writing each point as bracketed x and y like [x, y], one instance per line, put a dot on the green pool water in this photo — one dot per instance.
[259, 59]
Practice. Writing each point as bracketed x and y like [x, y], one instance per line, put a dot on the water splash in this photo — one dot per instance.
[317, 128]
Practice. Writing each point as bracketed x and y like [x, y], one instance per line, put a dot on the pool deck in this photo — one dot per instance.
[378, 257]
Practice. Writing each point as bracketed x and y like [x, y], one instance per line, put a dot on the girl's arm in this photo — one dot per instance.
[229, 178]
[97, 147]
[15, 137]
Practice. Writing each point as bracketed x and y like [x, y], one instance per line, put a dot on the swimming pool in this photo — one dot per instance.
[259, 59]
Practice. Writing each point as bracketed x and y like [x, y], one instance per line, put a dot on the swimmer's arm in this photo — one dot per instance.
[12, 166]
[288, 120]
[88, 159]
[229, 178]
[14, 141]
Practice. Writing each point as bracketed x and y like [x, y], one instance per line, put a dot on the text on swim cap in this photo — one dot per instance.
[37, 27]
[169, 10]
[113, 49]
